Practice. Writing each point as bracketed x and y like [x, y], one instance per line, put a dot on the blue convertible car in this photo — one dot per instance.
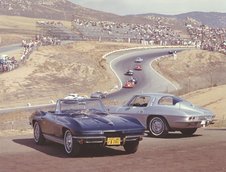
[75, 123]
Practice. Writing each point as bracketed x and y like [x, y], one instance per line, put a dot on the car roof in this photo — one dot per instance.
[155, 94]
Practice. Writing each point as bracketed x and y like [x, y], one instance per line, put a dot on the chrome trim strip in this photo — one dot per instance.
[87, 141]
[132, 136]
[87, 137]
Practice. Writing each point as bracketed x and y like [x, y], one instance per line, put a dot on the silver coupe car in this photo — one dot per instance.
[161, 113]
[98, 94]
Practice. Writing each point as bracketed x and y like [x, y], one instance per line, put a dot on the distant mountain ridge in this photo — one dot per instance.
[66, 10]
[212, 19]
[50, 9]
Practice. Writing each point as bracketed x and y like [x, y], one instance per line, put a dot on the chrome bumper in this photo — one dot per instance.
[103, 139]
[205, 123]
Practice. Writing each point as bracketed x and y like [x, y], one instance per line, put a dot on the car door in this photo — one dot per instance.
[138, 108]
[60, 121]
[47, 123]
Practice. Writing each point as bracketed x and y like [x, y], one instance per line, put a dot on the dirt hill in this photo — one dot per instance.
[194, 69]
[57, 10]
[53, 72]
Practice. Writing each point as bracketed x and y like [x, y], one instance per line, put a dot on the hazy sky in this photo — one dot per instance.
[123, 7]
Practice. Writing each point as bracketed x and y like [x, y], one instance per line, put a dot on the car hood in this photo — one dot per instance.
[107, 122]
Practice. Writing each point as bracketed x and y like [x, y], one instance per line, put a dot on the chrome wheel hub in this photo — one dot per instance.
[68, 142]
[36, 132]
[157, 126]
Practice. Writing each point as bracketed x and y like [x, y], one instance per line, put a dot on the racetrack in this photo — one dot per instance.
[148, 79]
[203, 152]
[8, 48]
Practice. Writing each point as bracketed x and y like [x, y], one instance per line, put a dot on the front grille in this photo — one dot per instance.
[94, 140]
[113, 134]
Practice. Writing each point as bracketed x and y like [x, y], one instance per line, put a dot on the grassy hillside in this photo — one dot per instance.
[194, 69]
[14, 28]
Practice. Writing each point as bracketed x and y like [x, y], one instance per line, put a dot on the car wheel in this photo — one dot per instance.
[188, 131]
[71, 148]
[157, 127]
[131, 147]
[38, 137]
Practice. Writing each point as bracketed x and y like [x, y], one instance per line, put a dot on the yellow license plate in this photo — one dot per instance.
[113, 141]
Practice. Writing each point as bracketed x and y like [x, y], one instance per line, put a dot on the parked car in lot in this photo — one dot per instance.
[99, 95]
[76, 123]
[161, 113]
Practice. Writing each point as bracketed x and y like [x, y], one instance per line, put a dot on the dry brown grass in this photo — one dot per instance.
[14, 28]
[194, 69]
[213, 99]
[53, 72]
[23, 23]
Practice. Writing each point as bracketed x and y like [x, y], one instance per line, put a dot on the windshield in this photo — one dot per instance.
[84, 106]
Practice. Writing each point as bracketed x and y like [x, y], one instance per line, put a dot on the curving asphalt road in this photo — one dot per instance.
[13, 47]
[148, 79]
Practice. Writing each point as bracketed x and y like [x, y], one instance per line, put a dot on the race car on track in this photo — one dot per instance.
[76, 123]
[129, 72]
[137, 67]
[129, 84]
[161, 113]
[99, 95]
[172, 52]
[134, 80]
[138, 60]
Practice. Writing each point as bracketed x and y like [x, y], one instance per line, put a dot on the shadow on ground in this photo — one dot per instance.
[57, 150]
[173, 135]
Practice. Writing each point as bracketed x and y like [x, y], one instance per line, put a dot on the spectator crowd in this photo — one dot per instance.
[7, 63]
[200, 36]
[57, 30]
[207, 38]
[137, 33]
[9, 5]
[10, 63]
